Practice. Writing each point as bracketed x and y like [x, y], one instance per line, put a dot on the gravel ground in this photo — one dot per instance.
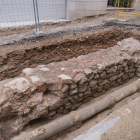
[20, 36]
[70, 32]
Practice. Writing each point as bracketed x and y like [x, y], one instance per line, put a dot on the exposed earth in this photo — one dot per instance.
[63, 74]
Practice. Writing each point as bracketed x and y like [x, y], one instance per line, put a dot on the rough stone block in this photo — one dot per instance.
[125, 77]
[95, 87]
[103, 82]
[87, 99]
[75, 106]
[88, 72]
[87, 93]
[80, 95]
[73, 91]
[92, 83]
[65, 88]
[120, 75]
[68, 106]
[60, 109]
[51, 113]
[18, 85]
[38, 32]
[106, 86]
[65, 111]
[110, 20]
[103, 74]
[112, 69]
[100, 88]
[83, 88]
[113, 78]
[73, 86]
[80, 78]
[65, 79]
[75, 97]
[28, 71]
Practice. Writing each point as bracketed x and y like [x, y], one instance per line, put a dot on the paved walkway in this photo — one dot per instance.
[122, 124]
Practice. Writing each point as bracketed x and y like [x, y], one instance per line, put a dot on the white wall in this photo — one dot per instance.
[80, 8]
[136, 5]
[22, 10]
[13, 10]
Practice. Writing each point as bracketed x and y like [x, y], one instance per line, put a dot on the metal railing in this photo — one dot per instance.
[36, 14]
[131, 7]
[30, 12]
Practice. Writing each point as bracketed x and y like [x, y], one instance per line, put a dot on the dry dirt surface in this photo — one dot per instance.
[54, 27]
[14, 34]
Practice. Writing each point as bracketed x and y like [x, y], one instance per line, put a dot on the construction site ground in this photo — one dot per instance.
[21, 49]
[15, 34]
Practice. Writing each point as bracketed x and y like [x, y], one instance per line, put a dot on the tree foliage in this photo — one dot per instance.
[124, 3]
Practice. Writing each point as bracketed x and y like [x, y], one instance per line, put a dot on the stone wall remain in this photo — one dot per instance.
[58, 88]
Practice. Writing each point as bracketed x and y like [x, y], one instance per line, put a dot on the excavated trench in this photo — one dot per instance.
[53, 77]
[14, 58]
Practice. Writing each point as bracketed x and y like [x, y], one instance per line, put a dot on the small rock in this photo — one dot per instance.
[88, 72]
[103, 82]
[80, 95]
[113, 78]
[112, 69]
[73, 85]
[82, 89]
[65, 79]
[75, 97]
[35, 79]
[80, 78]
[92, 83]
[60, 110]
[51, 113]
[62, 69]
[65, 111]
[73, 91]
[65, 88]
[43, 68]
[28, 71]
[38, 132]
[68, 106]
[19, 85]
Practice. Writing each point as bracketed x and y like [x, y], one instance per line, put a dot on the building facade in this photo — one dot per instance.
[22, 10]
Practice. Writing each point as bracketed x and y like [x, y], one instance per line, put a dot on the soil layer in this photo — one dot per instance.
[14, 58]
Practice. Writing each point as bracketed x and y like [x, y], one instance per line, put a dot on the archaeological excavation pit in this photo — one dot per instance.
[51, 78]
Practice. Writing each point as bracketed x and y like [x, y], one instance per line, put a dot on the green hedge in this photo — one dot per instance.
[125, 3]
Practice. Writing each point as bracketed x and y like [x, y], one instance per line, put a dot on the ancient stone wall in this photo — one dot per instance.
[60, 87]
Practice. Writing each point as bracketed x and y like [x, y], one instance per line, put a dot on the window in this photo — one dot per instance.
[111, 3]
